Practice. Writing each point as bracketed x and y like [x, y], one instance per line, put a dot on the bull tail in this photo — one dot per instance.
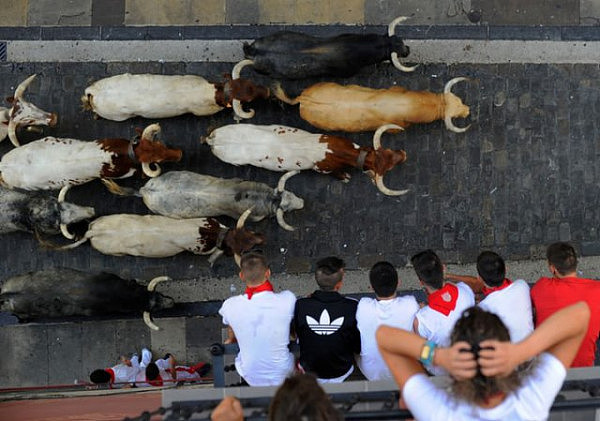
[114, 188]
[53, 246]
[282, 96]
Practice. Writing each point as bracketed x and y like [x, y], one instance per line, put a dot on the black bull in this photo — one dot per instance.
[294, 55]
[63, 292]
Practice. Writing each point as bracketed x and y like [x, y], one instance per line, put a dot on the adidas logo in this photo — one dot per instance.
[324, 326]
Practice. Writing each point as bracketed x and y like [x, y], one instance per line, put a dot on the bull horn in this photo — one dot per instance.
[238, 259]
[237, 69]
[149, 322]
[149, 171]
[380, 131]
[394, 55]
[282, 222]
[64, 229]
[284, 178]
[214, 256]
[448, 119]
[23, 85]
[452, 82]
[156, 281]
[236, 104]
[383, 189]
[243, 217]
[239, 110]
[12, 133]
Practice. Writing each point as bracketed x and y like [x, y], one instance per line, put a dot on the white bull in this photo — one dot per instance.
[282, 148]
[160, 96]
[22, 113]
[161, 236]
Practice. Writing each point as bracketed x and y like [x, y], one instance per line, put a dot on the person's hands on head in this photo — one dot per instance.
[497, 358]
[457, 360]
[125, 360]
[230, 409]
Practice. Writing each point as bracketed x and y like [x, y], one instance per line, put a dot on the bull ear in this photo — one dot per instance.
[10, 99]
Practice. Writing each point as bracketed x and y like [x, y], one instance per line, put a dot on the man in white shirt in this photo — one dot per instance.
[166, 372]
[511, 301]
[259, 321]
[123, 374]
[445, 301]
[386, 309]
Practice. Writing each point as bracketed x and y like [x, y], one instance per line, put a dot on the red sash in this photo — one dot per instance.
[444, 299]
[265, 286]
[487, 290]
[156, 382]
[112, 374]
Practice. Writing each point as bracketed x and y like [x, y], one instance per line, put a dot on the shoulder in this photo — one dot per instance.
[520, 284]
[365, 302]
[286, 295]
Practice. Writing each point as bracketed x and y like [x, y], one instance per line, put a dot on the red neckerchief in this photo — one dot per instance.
[265, 286]
[487, 290]
[156, 382]
[112, 376]
[444, 299]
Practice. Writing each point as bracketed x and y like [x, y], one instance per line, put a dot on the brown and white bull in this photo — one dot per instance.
[22, 113]
[185, 194]
[282, 148]
[160, 96]
[353, 108]
[59, 163]
[161, 236]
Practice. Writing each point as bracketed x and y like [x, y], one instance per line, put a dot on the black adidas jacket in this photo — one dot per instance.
[327, 342]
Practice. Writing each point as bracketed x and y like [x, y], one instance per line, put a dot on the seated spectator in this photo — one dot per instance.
[165, 372]
[300, 398]
[325, 324]
[124, 373]
[445, 301]
[482, 362]
[507, 299]
[564, 288]
[260, 321]
[387, 309]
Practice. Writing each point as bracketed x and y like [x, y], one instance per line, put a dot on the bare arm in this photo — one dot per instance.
[172, 368]
[401, 349]
[472, 281]
[230, 409]
[230, 336]
[560, 334]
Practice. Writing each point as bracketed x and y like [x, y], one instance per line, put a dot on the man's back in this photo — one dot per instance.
[551, 294]
[437, 319]
[262, 329]
[371, 313]
[325, 324]
[513, 305]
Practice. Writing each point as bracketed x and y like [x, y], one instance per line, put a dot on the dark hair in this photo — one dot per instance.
[100, 376]
[474, 326]
[152, 371]
[253, 265]
[300, 398]
[429, 268]
[491, 268]
[329, 272]
[384, 279]
[563, 257]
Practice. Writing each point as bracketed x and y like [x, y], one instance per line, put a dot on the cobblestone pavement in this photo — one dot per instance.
[525, 173]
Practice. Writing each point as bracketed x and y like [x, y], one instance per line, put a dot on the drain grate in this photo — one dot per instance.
[2, 51]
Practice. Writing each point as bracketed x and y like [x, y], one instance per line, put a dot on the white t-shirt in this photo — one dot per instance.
[436, 326]
[513, 305]
[262, 328]
[371, 313]
[532, 401]
[127, 374]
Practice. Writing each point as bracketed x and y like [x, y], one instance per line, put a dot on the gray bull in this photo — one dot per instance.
[37, 212]
[64, 292]
[184, 194]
